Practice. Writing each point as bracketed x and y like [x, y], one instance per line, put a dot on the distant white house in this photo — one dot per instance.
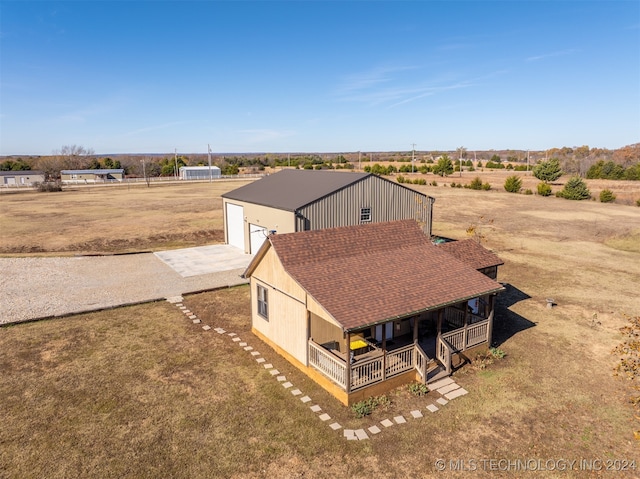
[199, 172]
[21, 178]
[92, 176]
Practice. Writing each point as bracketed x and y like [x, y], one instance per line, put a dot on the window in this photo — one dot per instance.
[263, 306]
[365, 215]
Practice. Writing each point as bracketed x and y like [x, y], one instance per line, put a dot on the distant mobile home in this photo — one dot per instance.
[92, 176]
[199, 172]
[307, 200]
[21, 178]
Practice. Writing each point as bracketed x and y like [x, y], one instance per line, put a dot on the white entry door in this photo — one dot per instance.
[258, 236]
[235, 225]
[388, 331]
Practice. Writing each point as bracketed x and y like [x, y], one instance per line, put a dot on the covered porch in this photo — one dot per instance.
[425, 345]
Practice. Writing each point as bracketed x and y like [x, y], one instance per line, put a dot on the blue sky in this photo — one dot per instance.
[317, 76]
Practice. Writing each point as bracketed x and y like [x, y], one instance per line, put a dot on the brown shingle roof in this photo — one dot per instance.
[292, 189]
[367, 274]
[471, 253]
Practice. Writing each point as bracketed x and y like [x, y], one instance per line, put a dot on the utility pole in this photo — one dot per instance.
[175, 159]
[210, 173]
[359, 161]
[413, 157]
[527, 161]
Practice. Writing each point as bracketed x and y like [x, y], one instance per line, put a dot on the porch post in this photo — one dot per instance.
[384, 353]
[348, 370]
[440, 314]
[490, 325]
[466, 324]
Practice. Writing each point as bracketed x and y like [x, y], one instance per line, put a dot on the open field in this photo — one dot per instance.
[113, 219]
[128, 218]
[143, 392]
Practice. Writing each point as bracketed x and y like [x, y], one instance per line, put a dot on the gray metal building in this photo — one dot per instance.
[199, 172]
[301, 200]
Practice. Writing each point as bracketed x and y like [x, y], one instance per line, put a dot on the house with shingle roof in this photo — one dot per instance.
[363, 309]
[307, 200]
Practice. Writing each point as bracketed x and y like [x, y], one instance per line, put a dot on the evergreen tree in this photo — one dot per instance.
[548, 171]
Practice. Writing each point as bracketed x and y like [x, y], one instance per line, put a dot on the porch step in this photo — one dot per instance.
[436, 374]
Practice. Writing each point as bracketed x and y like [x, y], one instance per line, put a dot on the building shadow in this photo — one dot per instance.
[508, 323]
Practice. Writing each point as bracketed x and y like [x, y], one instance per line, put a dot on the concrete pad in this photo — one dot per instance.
[204, 259]
[335, 426]
[305, 399]
[242, 344]
[432, 407]
[349, 433]
[193, 316]
[386, 423]
[352, 438]
[399, 419]
[296, 392]
[448, 388]
[206, 327]
[260, 360]
[236, 339]
[281, 379]
[255, 353]
[375, 430]
[196, 321]
[442, 401]
[247, 348]
[221, 331]
[324, 417]
[361, 434]
[274, 372]
[438, 384]
[316, 408]
[175, 299]
[268, 366]
[416, 414]
[457, 393]
[287, 385]
[232, 334]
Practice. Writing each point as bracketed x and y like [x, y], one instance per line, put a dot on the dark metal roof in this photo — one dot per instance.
[92, 172]
[292, 189]
[21, 173]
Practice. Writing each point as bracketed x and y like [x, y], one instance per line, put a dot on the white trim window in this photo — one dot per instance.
[263, 303]
[365, 215]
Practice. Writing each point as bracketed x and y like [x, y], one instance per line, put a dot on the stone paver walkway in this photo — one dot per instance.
[446, 389]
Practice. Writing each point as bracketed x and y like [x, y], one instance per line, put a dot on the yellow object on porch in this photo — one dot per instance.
[358, 344]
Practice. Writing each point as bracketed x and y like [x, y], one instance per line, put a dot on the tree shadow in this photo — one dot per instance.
[508, 323]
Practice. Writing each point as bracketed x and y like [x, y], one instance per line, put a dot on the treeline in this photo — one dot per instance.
[613, 171]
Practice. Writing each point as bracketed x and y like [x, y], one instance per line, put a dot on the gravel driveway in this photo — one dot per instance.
[32, 288]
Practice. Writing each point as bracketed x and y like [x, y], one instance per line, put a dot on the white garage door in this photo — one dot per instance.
[258, 236]
[235, 225]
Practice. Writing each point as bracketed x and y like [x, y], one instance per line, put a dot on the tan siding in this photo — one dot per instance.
[324, 332]
[314, 307]
[287, 324]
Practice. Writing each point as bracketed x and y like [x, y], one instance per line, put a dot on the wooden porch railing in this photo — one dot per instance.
[331, 366]
[399, 361]
[366, 372]
[455, 316]
[422, 360]
[444, 351]
[469, 336]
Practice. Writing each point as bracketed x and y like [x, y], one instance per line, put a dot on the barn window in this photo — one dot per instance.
[365, 215]
[263, 306]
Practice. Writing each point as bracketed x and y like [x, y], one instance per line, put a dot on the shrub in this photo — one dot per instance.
[486, 186]
[453, 184]
[476, 183]
[607, 196]
[548, 171]
[418, 389]
[435, 183]
[497, 353]
[544, 189]
[400, 179]
[513, 184]
[638, 202]
[367, 406]
[575, 189]
[48, 186]
[528, 191]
